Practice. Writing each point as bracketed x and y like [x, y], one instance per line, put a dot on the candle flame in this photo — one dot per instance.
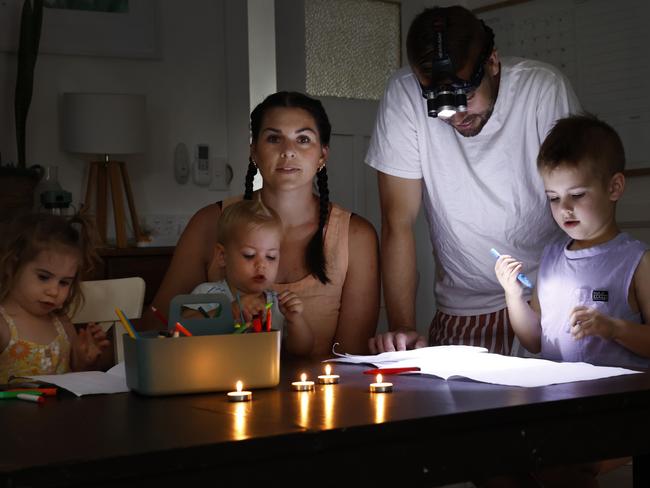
[303, 377]
[239, 386]
[328, 370]
[379, 378]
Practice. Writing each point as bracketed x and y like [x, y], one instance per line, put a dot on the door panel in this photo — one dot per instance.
[352, 183]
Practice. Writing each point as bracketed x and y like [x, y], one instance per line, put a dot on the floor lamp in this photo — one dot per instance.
[106, 124]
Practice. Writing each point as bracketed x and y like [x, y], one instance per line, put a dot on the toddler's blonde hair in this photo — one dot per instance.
[247, 214]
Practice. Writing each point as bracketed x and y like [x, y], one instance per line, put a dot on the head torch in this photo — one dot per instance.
[446, 94]
[444, 101]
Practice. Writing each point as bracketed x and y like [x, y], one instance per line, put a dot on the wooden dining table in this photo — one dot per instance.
[426, 432]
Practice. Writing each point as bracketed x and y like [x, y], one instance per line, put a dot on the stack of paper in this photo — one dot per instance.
[477, 364]
[89, 382]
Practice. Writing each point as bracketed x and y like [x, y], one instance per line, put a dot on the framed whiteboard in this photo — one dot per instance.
[129, 34]
[601, 46]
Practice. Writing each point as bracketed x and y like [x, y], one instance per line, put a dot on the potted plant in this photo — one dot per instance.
[17, 182]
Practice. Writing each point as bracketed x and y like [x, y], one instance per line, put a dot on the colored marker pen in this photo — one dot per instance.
[126, 323]
[6, 395]
[159, 315]
[30, 397]
[268, 316]
[34, 391]
[241, 310]
[257, 323]
[523, 279]
[179, 327]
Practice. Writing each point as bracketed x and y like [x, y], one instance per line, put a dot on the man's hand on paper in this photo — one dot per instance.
[398, 340]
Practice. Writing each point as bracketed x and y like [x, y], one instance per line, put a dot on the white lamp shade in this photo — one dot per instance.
[104, 123]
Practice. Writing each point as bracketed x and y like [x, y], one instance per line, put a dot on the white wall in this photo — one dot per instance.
[197, 92]
[261, 56]
[261, 50]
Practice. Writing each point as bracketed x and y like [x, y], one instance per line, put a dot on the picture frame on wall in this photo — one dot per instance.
[131, 31]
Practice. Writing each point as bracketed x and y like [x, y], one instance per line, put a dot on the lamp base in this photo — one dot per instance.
[99, 174]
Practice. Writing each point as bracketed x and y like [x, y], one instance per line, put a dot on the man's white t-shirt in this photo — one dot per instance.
[479, 192]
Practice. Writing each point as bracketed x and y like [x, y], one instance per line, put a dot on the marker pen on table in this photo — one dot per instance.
[30, 397]
[523, 279]
[35, 391]
[384, 371]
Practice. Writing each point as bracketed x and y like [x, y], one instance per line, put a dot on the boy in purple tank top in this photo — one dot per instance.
[591, 302]
[592, 299]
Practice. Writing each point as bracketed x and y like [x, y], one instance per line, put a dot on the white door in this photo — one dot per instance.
[352, 183]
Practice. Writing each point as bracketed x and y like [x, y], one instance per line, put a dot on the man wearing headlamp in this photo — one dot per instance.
[460, 129]
[446, 93]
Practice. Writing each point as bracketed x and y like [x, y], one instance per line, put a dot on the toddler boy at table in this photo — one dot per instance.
[592, 298]
[249, 235]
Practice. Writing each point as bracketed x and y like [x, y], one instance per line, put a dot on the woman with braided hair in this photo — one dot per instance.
[328, 256]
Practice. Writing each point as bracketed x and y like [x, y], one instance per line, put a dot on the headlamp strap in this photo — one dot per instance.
[441, 66]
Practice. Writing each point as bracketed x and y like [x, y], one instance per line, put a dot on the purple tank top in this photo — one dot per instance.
[598, 277]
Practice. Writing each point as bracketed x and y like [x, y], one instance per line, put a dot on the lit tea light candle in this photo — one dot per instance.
[328, 378]
[303, 384]
[239, 395]
[381, 386]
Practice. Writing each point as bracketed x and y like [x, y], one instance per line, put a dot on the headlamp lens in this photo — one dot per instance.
[461, 101]
[446, 112]
[445, 101]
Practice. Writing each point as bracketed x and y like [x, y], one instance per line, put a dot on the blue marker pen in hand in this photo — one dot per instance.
[523, 279]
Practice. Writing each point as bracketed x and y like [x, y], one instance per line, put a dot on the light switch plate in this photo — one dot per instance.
[221, 174]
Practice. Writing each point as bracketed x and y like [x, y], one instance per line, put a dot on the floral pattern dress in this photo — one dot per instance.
[25, 358]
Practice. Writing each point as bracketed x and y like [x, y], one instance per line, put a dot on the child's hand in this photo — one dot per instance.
[299, 335]
[587, 321]
[290, 305]
[250, 305]
[507, 268]
[92, 342]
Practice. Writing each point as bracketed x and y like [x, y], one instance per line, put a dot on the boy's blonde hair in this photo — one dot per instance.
[248, 214]
[583, 139]
[22, 239]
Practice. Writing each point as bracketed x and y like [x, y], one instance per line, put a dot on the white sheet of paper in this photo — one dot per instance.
[477, 364]
[387, 359]
[89, 382]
